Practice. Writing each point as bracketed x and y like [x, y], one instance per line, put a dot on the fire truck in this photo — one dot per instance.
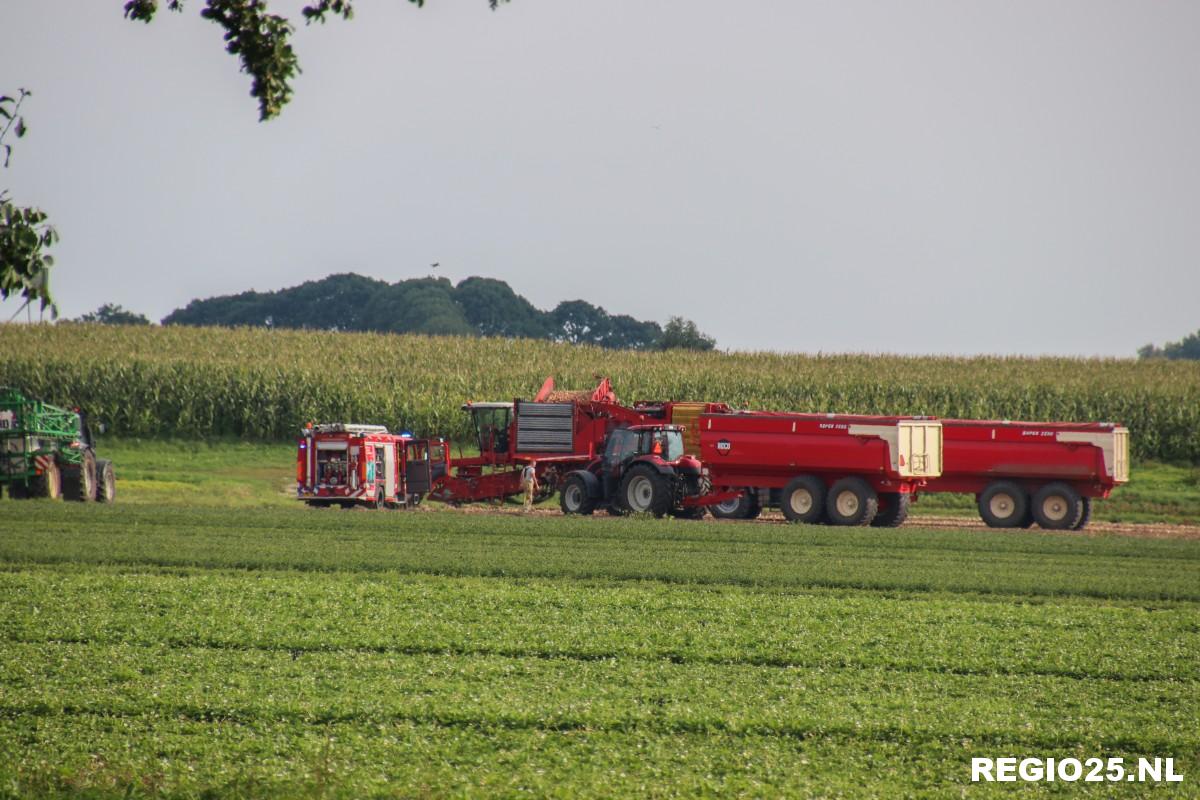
[349, 465]
[1026, 472]
[844, 469]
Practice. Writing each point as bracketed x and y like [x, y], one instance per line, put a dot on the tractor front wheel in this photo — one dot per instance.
[573, 499]
[80, 485]
[644, 491]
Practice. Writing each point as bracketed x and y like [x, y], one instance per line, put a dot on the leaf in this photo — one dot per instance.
[20, 129]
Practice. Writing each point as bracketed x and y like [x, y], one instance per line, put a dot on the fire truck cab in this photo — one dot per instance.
[347, 464]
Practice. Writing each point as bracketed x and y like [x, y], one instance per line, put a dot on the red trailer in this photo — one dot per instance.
[839, 468]
[1022, 472]
[346, 464]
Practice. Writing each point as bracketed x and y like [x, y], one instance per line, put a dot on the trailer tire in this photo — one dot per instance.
[644, 491]
[803, 500]
[893, 510]
[49, 483]
[744, 506]
[1057, 507]
[1003, 504]
[851, 502]
[1085, 516]
[574, 499]
[1028, 520]
[106, 481]
[80, 485]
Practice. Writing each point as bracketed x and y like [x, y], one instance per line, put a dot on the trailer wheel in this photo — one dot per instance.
[1057, 507]
[1003, 504]
[573, 499]
[106, 481]
[893, 510]
[49, 483]
[1085, 516]
[851, 501]
[80, 484]
[643, 491]
[744, 506]
[803, 500]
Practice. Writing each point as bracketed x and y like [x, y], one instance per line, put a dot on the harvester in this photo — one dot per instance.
[47, 451]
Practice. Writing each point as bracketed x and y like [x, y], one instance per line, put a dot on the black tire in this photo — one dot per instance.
[106, 481]
[1028, 520]
[851, 502]
[1003, 504]
[644, 491]
[574, 499]
[49, 483]
[80, 484]
[744, 506]
[803, 500]
[1057, 507]
[1085, 516]
[893, 510]
[378, 503]
[18, 491]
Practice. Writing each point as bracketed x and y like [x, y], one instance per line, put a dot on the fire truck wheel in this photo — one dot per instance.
[574, 497]
[744, 506]
[1004, 504]
[106, 481]
[49, 483]
[803, 500]
[80, 484]
[1057, 507]
[1085, 516]
[893, 510]
[851, 501]
[644, 491]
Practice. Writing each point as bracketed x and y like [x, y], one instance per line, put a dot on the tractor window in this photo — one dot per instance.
[667, 445]
[622, 444]
[491, 426]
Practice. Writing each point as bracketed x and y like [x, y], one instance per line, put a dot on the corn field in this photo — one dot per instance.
[200, 382]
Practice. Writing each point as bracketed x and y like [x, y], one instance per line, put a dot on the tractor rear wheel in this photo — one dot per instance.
[80, 484]
[1057, 507]
[106, 481]
[851, 501]
[574, 499]
[1003, 504]
[893, 510]
[803, 499]
[49, 483]
[644, 491]
[744, 506]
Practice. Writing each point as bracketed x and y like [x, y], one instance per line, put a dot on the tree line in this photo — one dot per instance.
[434, 306]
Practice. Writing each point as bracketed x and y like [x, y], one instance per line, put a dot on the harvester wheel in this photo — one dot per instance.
[1085, 516]
[893, 510]
[106, 481]
[644, 491]
[803, 500]
[49, 483]
[573, 499]
[744, 506]
[851, 501]
[80, 484]
[1003, 504]
[1057, 507]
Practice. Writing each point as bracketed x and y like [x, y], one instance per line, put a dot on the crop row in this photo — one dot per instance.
[264, 383]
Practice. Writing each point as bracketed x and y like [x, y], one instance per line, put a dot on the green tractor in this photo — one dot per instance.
[47, 451]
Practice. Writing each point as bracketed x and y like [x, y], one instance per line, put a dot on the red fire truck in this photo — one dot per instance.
[347, 464]
[845, 469]
[1026, 472]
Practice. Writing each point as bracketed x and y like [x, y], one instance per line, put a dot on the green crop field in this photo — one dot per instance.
[209, 637]
[263, 383]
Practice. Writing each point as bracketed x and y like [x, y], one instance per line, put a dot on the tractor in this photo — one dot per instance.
[643, 471]
[47, 451]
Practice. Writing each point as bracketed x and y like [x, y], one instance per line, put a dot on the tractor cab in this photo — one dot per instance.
[492, 422]
[625, 444]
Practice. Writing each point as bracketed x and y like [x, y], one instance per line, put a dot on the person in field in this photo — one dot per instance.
[529, 483]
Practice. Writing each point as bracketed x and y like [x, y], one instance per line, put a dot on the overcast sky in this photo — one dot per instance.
[914, 177]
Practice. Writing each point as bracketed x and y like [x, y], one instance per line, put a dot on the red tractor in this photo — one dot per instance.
[643, 470]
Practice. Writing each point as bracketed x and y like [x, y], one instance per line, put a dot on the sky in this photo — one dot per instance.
[890, 177]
